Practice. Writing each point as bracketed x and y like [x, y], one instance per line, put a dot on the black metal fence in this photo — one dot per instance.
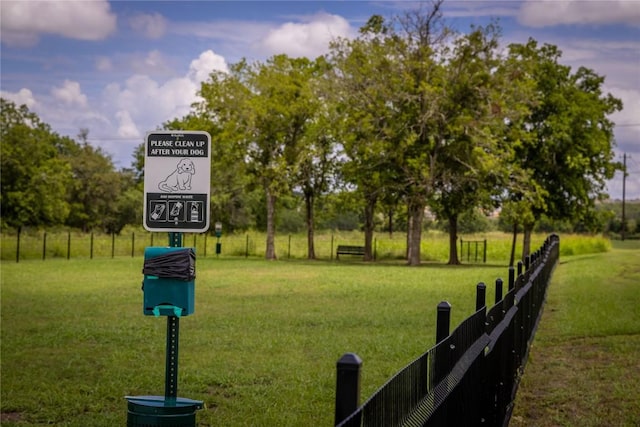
[475, 244]
[470, 377]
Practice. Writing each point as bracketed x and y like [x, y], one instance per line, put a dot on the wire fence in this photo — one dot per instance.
[30, 244]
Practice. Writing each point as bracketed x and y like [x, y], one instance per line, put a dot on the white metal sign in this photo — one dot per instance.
[177, 175]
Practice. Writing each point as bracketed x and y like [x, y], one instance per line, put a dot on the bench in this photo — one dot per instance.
[349, 250]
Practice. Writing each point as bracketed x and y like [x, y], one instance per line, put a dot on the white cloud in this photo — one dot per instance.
[200, 68]
[126, 127]
[537, 13]
[628, 131]
[149, 103]
[310, 38]
[153, 63]
[152, 26]
[22, 97]
[70, 94]
[241, 32]
[23, 21]
[475, 9]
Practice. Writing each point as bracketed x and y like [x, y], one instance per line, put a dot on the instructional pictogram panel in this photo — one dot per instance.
[177, 175]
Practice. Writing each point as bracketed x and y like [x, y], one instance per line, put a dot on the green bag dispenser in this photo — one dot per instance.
[169, 281]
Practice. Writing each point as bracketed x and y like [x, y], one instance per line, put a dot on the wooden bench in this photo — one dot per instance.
[349, 250]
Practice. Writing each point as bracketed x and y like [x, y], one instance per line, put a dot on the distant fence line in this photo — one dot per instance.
[470, 377]
[72, 244]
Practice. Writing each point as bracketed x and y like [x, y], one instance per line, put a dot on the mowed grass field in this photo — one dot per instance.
[260, 349]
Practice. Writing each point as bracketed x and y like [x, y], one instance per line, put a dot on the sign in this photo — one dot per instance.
[177, 175]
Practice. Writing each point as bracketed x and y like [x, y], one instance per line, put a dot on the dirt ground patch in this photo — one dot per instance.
[10, 416]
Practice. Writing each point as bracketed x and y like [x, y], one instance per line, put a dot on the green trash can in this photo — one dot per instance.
[159, 411]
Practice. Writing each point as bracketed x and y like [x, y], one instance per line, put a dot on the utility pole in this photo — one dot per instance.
[624, 179]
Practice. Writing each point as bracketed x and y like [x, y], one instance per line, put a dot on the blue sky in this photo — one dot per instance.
[122, 68]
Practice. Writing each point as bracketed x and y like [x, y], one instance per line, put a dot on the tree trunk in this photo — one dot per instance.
[526, 241]
[271, 225]
[416, 211]
[308, 201]
[369, 209]
[514, 240]
[453, 240]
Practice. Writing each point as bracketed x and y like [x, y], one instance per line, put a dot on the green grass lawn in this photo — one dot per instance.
[260, 349]
[584, 367]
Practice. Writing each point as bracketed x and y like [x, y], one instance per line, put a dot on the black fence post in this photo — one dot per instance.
[498, 289]
[113, 245]
[527, 262]
[481, 295]
[442, 366]
[520, 265]
[18, 244]
[347, 386]
[331, 254]
[69, 245]
[246, 248]
[289, 248]
[44, 246]
[512, 278]
[443, 321]
[375, 249]
[484, 255]
[91, 247]
[133, 243]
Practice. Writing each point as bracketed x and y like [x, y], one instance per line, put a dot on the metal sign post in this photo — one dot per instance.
[173, 340]
[177, 175]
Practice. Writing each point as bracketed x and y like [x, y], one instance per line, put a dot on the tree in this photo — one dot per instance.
[363, 77]
[270, 104]
[318, 159]
[232, 201]
[468, 169]
[35, 177]
[96, 187]
[128, 206]
[568, 147]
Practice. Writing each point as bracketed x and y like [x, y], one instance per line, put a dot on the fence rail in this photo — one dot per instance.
[470, 377]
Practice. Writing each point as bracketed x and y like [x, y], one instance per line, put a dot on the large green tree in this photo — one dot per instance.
[233, 202]
[364, 78]
[567, 138]
[271, 105]
[468, 169]
[35, 176]
[318, 157]
[420, 47]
